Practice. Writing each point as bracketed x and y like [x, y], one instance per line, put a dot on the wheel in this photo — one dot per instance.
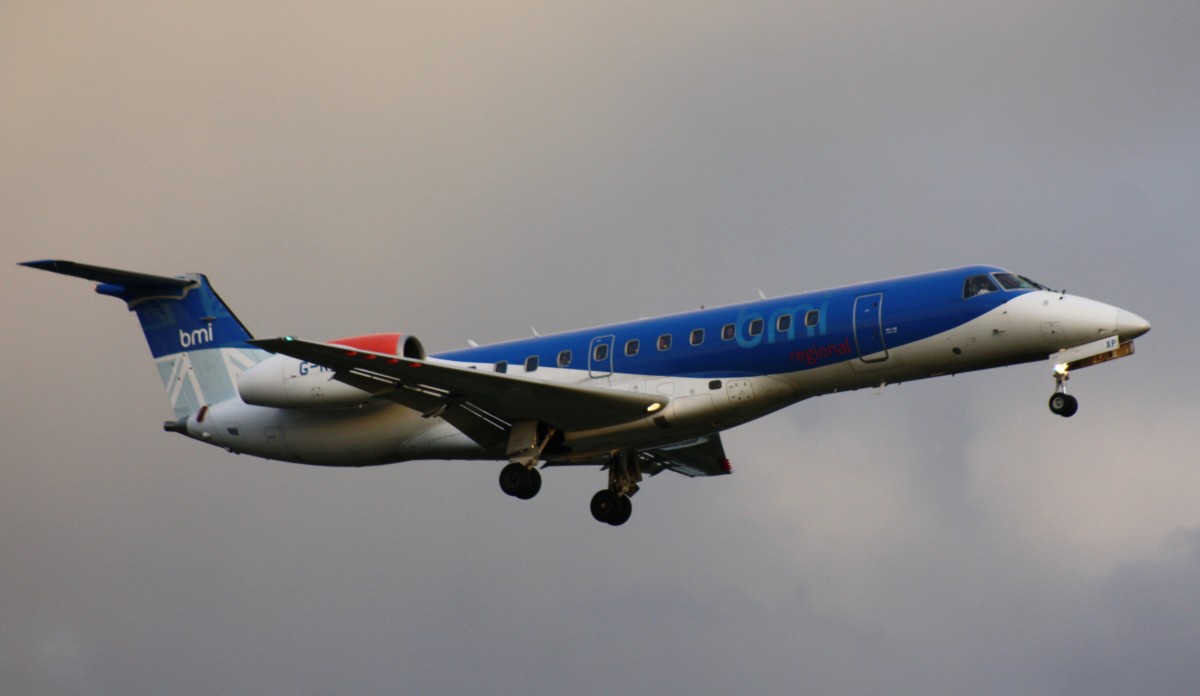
[515, 479]
[533, 484]
[620, 515]
[603, 505]
[1064, 405]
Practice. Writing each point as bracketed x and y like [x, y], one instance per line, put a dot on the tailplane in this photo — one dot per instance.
[198, 344]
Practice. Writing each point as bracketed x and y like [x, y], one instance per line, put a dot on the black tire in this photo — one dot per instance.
[514, 479]
[621, 514]
[533, 484]
[603, 505]
[1064, 405]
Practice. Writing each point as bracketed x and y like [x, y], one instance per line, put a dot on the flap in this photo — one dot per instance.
[703, 456]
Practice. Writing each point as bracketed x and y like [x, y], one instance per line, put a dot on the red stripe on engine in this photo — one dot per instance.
[373, 343]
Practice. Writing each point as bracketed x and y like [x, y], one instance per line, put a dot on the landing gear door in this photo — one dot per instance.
[868, 328]
[600, 357]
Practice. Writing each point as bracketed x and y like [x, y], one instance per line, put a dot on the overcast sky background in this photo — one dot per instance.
[466, 171]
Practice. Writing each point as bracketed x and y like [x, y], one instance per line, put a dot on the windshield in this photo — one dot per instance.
[1012, 281]
[978, 285]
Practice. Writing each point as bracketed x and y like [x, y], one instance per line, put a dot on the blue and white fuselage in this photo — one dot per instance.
[637, 396]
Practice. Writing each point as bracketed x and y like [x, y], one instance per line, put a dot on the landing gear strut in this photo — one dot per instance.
[1062, 403]
[612, 505]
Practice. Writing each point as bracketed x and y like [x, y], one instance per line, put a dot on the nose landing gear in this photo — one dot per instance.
[1062, 403]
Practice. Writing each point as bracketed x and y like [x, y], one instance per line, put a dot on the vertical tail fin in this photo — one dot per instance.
[198, 344]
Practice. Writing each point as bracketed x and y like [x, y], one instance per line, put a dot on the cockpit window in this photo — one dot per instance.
[978, 285]
[1012, 281]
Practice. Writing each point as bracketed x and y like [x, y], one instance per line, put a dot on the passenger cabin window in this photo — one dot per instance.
[564, 358]
[727, 332]
[600, 354]
[502, 366]
[531, 363]
[756, 327]
[697, 337]
[812, 317]
[784, 323]
[664, 342]
[631, 347]
[978, 285]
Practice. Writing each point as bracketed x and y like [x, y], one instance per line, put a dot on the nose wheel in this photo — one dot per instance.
[1062, 403]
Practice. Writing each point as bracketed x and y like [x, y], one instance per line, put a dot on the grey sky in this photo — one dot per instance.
[463, 171]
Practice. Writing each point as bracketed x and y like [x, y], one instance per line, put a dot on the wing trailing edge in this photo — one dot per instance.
[434, 388]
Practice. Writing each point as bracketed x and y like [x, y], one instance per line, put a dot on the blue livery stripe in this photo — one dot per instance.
[909, 309]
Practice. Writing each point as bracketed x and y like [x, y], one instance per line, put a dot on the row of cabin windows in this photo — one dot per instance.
[695, 338]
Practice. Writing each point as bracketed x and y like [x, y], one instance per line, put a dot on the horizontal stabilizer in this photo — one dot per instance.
[199, 346]
[99, 274]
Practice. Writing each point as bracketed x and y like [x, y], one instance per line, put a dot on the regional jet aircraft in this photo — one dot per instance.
[635, 398]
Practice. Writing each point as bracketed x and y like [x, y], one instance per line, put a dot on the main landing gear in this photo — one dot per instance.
[520, 481]
[612, 505]
[1062, 403]
[520, 478]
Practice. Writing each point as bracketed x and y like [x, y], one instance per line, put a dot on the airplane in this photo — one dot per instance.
[635, 398]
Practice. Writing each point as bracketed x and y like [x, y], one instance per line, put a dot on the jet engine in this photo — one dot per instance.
[284, 382]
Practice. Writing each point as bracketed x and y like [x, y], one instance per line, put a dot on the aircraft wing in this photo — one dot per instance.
[483, 404]
[703, 456]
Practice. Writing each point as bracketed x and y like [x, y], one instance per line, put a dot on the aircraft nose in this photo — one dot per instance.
[1130, 325]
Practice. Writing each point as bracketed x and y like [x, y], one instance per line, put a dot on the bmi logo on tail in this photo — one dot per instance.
[196, 337]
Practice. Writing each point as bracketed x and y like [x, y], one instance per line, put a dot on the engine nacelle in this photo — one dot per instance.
[285, 382]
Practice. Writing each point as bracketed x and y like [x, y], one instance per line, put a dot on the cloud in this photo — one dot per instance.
[1141, 626]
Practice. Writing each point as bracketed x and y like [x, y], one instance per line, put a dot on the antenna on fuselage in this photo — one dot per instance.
[471, 343]
[534, 330]
[761, 295]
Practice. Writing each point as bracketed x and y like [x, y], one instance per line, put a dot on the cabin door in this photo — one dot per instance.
[868, 328]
